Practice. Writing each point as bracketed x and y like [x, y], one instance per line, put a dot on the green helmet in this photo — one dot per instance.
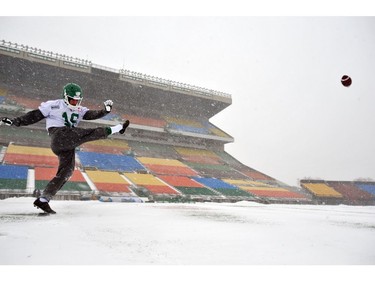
[72, 95]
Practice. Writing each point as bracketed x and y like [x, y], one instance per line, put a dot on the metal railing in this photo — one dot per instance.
[124, 73]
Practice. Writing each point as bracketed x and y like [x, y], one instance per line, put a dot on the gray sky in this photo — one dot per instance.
[291, 117]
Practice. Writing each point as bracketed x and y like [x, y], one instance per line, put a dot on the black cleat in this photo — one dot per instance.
[44, 206]
[124, 126]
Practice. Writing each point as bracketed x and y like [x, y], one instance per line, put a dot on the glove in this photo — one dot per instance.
[108, 105]
[6, 121]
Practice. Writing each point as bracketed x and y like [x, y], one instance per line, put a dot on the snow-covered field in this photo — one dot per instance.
[243, 233]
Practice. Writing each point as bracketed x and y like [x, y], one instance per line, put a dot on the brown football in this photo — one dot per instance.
[346, 80]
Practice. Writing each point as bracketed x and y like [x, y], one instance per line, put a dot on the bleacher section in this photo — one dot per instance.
[109, 162]
[267, 191]
[216, 171]
[216, 131]
[186, 125]
[151, 176]
[144, 149]
[229, 159]
[207, 163]
[203, 156]
[109, 182]
[30, 156]
[111, 146]
[149, 184]
[76, 183]
[13, 178]
[170, 149]
[195, 127]
[368, 187]
[226, 189]
[341, 192]
[351, 192]
[166, 166]
[188, 186]
[254, 174]
[25, 136]
[322, 190]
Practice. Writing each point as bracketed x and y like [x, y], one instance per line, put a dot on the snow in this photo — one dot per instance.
[211, 234]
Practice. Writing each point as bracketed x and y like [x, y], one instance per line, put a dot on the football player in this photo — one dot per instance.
[62, 118]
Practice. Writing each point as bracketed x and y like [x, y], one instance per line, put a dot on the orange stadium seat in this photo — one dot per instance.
[76, 183]
[43, 173]
[31, 160]
[112, 187]
[160, 189]
[151, 183]
[30, 156]
[181, 181]
[255, 175]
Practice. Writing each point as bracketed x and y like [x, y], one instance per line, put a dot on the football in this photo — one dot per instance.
[346, 80]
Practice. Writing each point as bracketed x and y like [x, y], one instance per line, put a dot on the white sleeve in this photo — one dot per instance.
[83, 111]
[45, 108]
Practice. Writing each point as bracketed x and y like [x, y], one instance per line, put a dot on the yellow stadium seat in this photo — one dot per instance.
[30, 150]
[104, 176]
[143, 179]
[322, 190]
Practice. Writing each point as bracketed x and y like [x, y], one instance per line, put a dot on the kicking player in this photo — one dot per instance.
[62, 117]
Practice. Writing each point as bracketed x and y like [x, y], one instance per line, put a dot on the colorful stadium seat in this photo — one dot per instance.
[76, 183]
[109, 181]
[13, 177]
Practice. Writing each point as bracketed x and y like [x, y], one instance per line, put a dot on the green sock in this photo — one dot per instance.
[108, 130]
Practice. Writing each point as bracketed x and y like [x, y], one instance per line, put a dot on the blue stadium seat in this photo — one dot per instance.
[223, 187]
[368, 187]
[214, 183]
[13, 177]
[13, 172]
[109, 162]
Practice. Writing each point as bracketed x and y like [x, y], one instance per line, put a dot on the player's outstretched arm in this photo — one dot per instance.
[96, 114]
[29, 118]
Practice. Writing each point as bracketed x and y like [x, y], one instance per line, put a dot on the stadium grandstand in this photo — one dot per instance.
[171, 152]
